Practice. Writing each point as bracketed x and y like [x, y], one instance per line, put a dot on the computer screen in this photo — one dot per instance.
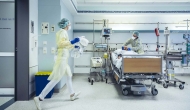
[106, 31]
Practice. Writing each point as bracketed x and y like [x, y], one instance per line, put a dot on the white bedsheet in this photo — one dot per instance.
[118, 62]
[123, 52]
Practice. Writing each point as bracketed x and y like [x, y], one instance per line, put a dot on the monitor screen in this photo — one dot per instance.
[106, 31]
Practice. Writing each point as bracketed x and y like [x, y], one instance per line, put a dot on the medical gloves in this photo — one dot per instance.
[128, 49]
[75, 40]
[77, 46]
[123, 48]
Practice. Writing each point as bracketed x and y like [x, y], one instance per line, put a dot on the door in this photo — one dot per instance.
[7, 45]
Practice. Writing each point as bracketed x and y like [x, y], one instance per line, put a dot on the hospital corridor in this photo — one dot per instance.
[94, 54]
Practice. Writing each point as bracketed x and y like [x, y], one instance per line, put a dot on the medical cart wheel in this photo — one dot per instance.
[153, 86]
[165, 85]
[158, 81]
[154, 92]
[88, 79]
[181, 86]
[154, 80]
[92, 82]
[125, 92]
[174, 83]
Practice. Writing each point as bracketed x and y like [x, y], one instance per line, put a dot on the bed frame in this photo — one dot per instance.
[136, 70]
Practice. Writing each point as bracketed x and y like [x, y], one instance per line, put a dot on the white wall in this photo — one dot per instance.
[33, 56]
[131, 5]
[48, 11]
[118, 38]
[135, 18]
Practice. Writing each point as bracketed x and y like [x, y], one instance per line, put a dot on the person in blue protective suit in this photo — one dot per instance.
[135, 43]
[61, 67]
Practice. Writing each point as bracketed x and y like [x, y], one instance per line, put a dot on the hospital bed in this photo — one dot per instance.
[132, 70]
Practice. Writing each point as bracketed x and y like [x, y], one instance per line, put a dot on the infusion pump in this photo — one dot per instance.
[96, 62]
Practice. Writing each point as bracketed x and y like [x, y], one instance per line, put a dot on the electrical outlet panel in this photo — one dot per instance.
[53, 28]
[44, 42]
[52, 50]
[45, 28]
[34, 42]
[45, 50]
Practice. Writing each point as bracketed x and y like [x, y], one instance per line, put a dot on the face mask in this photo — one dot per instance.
[69, 28]
[133, 38]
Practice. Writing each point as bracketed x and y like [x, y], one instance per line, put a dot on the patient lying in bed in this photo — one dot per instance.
[118, 56]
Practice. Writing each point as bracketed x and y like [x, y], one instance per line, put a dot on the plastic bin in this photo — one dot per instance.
[41, 82]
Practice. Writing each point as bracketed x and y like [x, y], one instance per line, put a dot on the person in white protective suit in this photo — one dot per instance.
[135, 43]
[61, 67]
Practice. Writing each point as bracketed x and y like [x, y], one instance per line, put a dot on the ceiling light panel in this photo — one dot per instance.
[80, 0]
[133, 0]
[87, 1]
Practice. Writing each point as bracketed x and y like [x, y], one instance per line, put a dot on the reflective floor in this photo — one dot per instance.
[102, 96]
[3, 100]
[6, 101]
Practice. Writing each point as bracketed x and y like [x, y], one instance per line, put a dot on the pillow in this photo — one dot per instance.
[118, 51]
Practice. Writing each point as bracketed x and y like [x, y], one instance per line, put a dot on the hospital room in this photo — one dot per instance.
[94, 54]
